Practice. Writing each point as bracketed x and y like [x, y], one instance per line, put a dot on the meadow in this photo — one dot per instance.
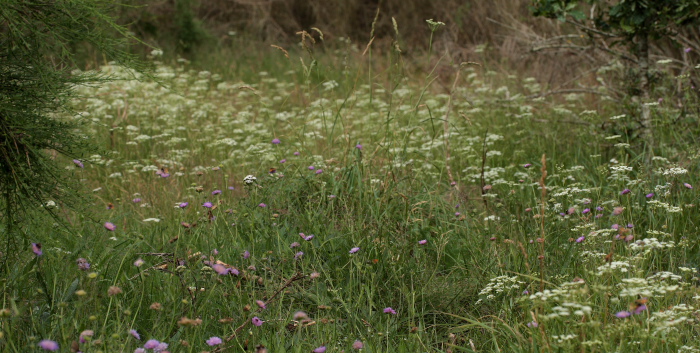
[343, 202]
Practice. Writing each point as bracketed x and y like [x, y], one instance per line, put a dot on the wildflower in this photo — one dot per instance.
[687, 50]
[389, 310]
[298, 255]
[249, 179]
[262, 205]
[300, 315]
[220, 269]
[256, 321]
[150, 344]
[625, 192]
[138, 262]
[216, 192]
[246, 254]
[161, 347]
[526, 292]
[48, 345]
[615, 226]
[650, 195]
[183, 204]
[423, 242]
[457, 214]
[36, 249]
[261, 304]
[623, 314]
[314, 275]
[207, 204]
[283, 161]
[83, 264]
[215, 252]
[580, 239]
[110, 226]
[617, 211]
[688, 185]
[599, 215]
[357, 345]
[630, 225]
[319, 171]
[639, 309]
[136, 200]
[358, 146]
[297, 153]
[231, 188]
[139, 350]
[233, 271]
[135, 334]
[214, 341]
[276, 141]
[571, 210]
[78, 163]
[113, 290]
[311, 167]
[599, 208]
[586, 210]
[533, 324]
[85, 334]
[294, 245]
[354, 250]
[321, 349]
[309, 237]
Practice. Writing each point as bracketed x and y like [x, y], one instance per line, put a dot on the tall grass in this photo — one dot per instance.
[353, 229]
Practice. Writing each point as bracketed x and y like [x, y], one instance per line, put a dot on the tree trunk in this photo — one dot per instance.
[647, 133]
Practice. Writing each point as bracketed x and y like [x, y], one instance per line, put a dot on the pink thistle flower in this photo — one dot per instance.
[110, 226]
[389, 310]
[298, 255]
[625, 192]
[623, 314]
[214, 341]
[151, 344]
[276, 141]
[309, 237]
[246, 254]
[527, 165]
[261, 304]
[256, 321]
[354, 250]
[311, 167]
[319, 171]
[650, 195]
[533, 324]
[297, 153]
[183, 204]
[294, 245]
[357, 345]
[220, 269]
[580, 239]
[262, 205]
[207, 205]
[283, 161]
[688, 185]
[136, 200]
[36, 249]
[423, 242]
[78, 163]
[358, 146]
[216, 192]
[321, 349]
[135, 334]
[234, 271]
[48, 345]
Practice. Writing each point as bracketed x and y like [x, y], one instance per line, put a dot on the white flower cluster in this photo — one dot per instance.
[651, 243]
[249, 179]
[619, 266]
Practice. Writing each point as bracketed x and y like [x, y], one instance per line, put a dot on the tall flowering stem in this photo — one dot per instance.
[543, 204]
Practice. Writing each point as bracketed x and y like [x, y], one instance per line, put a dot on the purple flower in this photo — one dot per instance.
[586, 210]
[623, 314]
[321, 349]
[625, 192]
[580, 239]
[533, 324]
[214, 341]
[319, 171]
[357, 345]
[135, 334]
[220, 269]
[615, 226]
[354, 250]
[571, 210]
[650, 195]
[389, 310]
[183, 204]
[139, 350]
[639, 309]
[331, 196]
[262, 205]
[599, 208]
[311, 167]
[309, 237]
[215, 252]
[261, 304]
[36, 249]
[276, 141]
[161, 347]
[233, 271]
[687, 50]
[83, 264]
[48, 345]
[283, 161]
[599, 215]
[138, 262]
[207, 204]
[78, 163]
[688, 185]
[231, 188]
[216, 192]
[358, 146]
[136, 200]
[150, 344]
[110, 226]
[526, 292]
[294, 244]
[297, 153]
[256, 321]
[423, 242]
[298, 255]
[246, 254]
[457, 214]
[527, 165]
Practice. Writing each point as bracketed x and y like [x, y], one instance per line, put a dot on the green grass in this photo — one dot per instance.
[475, 285]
